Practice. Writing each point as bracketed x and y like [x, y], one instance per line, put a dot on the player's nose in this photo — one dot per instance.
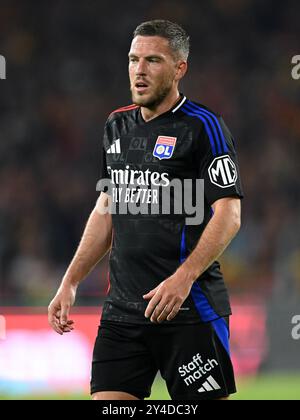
[141, 68]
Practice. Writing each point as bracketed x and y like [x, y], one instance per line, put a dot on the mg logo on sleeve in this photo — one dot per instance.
[164, 147]
[223, 172]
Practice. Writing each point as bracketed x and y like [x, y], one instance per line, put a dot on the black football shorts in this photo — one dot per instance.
[193, 359]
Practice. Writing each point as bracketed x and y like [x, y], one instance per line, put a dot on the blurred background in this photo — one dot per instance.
[66, 71]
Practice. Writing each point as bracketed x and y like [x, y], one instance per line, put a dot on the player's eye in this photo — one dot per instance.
[133, 59]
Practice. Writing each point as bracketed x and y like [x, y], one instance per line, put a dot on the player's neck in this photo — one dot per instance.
[168, 103]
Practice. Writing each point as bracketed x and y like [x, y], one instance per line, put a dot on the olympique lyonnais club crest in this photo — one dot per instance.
[164, 147]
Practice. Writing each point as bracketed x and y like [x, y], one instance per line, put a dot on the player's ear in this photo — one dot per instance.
[182, 67]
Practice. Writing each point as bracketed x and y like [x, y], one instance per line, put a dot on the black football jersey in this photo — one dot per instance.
[151, 239]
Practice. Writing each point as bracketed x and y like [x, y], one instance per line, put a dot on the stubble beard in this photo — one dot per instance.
[154, 100]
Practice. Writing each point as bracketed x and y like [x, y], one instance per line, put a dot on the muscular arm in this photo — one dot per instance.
[95, 243]
[167, 298]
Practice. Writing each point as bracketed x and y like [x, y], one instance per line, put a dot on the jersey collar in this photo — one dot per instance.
[179, 104]
[172, 110]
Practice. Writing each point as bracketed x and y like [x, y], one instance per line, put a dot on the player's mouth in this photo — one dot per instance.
[141, 87]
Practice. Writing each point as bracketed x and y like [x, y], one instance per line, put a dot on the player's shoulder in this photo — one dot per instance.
[212, 126]
[195, 109]
[123, 112]
[202, 118]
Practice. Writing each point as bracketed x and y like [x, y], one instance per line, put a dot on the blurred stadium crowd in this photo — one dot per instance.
[67, 70]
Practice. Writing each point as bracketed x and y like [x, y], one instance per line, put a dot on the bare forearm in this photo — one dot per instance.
[95, 243]
[217, 235]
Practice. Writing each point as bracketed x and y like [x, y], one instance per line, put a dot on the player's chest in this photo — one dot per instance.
[161, 146]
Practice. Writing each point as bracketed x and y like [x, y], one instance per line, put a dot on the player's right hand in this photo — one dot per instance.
[59, 308]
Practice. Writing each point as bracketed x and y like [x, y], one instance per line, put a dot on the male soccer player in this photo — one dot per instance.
[167, 308]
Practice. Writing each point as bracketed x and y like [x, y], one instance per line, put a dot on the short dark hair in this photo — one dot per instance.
[179, 40]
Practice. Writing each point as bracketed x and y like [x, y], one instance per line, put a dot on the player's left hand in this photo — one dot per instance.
[167, 298]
